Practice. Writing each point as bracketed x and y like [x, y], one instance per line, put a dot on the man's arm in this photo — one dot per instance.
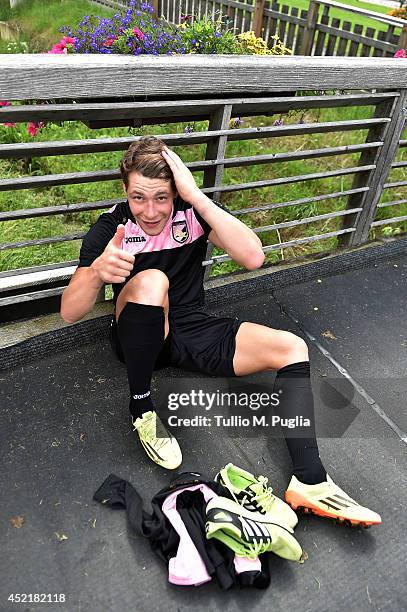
[112, 266]
[238, 240]
[230, 234]
[80, 296]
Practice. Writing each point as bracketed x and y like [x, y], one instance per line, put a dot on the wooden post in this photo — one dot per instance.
[258, 17]
[215, 149]
[389, 134]
[310, 28]
[403, 38]
[154, 4]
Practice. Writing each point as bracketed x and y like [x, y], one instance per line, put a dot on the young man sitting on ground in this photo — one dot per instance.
[151, 249]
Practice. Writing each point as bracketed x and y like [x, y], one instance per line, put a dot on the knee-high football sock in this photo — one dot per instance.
[141, 333]
[293, 384]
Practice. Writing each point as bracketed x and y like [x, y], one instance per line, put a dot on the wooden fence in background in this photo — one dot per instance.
[228, 86]
[306, 32]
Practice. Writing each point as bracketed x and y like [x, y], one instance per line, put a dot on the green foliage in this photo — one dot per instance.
[5, 10]
[209, 36]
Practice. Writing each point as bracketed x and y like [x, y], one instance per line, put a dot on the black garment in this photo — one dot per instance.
[196, 341]
[293, 384]
[141, 332]
[164, 540]
[178, 250]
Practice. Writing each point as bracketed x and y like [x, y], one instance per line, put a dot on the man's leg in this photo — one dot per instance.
[260, 348]
[142, 326]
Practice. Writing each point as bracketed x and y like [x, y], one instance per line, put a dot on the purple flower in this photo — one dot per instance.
[188, 129]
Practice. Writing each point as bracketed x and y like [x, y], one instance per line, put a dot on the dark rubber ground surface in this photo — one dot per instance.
[64, 428]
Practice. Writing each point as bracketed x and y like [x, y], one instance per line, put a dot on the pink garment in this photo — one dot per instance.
[187, 567]
[184, 228]
[244, 564]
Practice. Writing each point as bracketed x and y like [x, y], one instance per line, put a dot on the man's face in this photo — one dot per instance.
[150, 201]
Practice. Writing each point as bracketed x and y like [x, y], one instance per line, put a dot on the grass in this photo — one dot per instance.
[353, 18]
[5, 10]
[39, 21]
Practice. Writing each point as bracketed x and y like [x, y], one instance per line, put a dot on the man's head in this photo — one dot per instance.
[148, 183]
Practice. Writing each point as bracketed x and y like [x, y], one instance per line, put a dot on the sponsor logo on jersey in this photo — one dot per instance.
[135, 239]
[179, 230]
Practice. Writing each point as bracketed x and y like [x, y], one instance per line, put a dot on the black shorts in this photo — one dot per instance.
[196, 341]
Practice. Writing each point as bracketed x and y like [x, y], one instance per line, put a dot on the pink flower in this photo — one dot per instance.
[61, 46]
[400, 53]
[10, 124]
[33, 127]
[138, 33]
[109, 42]
[58, 49]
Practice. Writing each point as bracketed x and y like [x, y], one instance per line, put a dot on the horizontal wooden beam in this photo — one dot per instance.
[392, 203]
[305, 220]
[149, 76]
[99, 145]
[384, 221]
[41, 241]
[286, 180]
[18, 281]
[299, 202]
[63, 209]
[359, 38]
[190, 108]
[29, 297]
[275, 247]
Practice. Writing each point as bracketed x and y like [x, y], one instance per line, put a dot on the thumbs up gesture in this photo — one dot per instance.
[114, 264]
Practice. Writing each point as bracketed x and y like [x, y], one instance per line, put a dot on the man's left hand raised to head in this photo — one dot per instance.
[184, 181]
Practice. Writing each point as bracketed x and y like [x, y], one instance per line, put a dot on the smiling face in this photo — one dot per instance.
[150, 201]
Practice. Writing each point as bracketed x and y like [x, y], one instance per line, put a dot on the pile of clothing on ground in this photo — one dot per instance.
[206, 529]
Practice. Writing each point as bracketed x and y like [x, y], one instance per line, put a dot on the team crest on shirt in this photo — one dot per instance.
[180, 231]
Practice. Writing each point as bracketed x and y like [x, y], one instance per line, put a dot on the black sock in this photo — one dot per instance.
[140, 329]
[296, 399]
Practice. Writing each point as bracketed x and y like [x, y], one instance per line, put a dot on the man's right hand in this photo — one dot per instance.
[114, 265]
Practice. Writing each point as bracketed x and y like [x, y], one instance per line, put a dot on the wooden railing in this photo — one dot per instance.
[306, 32]
[147, 90]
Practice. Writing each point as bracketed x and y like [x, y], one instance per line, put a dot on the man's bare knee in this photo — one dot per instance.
[148, 287]
[296, 350]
